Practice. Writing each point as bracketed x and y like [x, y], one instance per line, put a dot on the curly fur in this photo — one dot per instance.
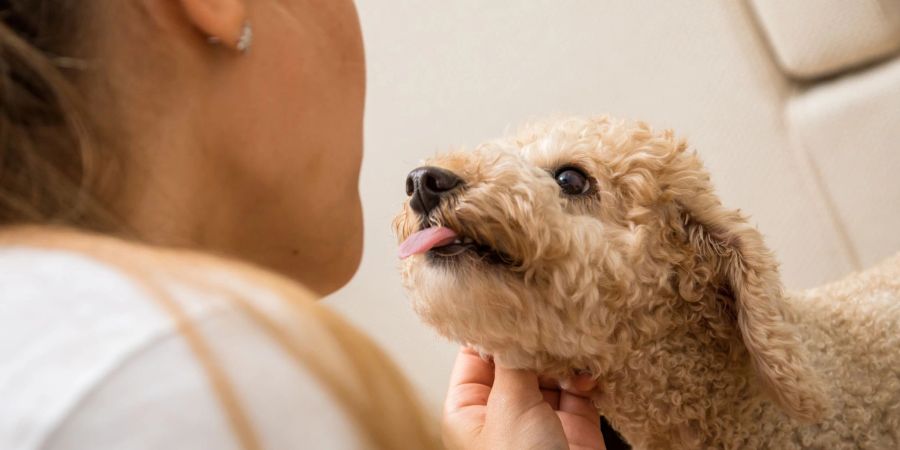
[670, 300]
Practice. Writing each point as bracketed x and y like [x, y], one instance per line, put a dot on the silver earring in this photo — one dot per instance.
[246, 39]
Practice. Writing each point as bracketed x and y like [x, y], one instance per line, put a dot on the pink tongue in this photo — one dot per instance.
[427, 239]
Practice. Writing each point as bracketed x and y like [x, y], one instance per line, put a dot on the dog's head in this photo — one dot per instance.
[576, 244]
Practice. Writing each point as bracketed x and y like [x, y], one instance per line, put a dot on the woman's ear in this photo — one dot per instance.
[222, 20]
[736, 252]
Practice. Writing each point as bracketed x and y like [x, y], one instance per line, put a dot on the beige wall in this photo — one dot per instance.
[445, 73]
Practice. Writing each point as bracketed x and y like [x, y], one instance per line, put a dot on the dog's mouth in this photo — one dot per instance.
[442, 243]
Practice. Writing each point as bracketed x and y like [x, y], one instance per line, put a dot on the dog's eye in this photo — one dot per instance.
[572, 181]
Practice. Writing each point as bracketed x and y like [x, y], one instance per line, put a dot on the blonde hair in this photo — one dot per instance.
[363, 380]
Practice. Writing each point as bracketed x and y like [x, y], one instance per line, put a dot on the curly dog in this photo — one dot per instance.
[599, 246]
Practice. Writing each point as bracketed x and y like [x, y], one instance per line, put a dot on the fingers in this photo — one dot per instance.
[579, 384]
[470, 381]
[470, 367]
[581, 433]
[548, 383]
[551, 396]
[580, 421]
[514, 392]
[487, 403]
[578, 405]
[514, 382]
[550, 391]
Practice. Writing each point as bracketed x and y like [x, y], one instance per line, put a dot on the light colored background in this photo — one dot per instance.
[803, 138]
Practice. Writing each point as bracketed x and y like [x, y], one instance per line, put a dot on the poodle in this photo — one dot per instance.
[599, 246]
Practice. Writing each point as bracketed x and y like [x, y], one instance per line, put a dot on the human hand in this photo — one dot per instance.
[491, 407]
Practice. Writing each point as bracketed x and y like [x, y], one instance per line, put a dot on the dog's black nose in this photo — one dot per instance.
[427, 185]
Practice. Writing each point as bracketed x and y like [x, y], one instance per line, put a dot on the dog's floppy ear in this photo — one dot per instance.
[736, 254]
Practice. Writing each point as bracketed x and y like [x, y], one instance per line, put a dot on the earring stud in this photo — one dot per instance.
[246, 39]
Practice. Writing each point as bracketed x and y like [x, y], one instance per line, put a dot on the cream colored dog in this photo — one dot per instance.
[598, 246]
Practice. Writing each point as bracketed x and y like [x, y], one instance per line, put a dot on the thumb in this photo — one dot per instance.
[515, 388]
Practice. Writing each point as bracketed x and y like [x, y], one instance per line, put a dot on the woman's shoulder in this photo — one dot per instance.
[111, 344]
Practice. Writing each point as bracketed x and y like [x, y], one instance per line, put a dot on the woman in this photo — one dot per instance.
[138, 139]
